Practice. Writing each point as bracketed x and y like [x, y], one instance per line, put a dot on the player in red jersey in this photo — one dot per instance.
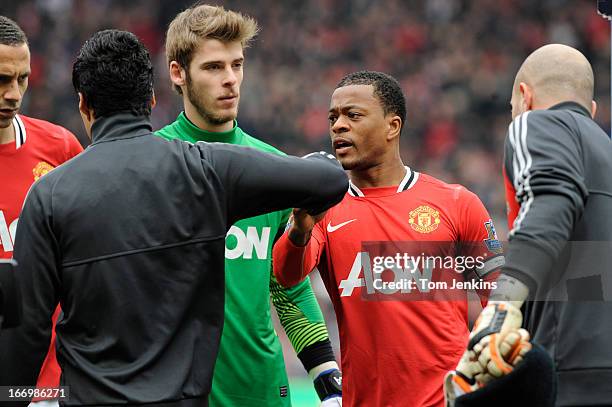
[394, 353]
[29, 148]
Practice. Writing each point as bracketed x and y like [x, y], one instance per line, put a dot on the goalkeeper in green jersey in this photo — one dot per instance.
[204, 49]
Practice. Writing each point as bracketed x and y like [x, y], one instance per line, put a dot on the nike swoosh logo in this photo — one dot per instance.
[331, 228]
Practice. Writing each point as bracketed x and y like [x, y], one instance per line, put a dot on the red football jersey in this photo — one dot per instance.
[39, 147]
[395, 348]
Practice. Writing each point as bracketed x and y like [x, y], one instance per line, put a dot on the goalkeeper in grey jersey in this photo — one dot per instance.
[558, 166]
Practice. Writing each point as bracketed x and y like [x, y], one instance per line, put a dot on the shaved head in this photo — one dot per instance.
[555, 73]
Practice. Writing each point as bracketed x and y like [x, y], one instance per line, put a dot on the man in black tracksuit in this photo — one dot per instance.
[118, 237]
[558, 175]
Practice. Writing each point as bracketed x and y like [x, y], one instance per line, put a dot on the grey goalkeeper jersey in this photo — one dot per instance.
[558, 169]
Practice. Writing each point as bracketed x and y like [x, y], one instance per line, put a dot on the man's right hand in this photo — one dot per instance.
[301, 224]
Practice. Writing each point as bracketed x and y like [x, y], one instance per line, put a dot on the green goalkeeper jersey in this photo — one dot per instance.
[250, 370]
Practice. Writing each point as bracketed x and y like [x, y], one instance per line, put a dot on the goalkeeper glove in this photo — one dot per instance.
[502, 354]
[496, 320]
[512, 350]
[328, 385]
[489, 346]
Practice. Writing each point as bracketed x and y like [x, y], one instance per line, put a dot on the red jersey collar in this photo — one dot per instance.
[20, 132]
[409, 180]
[20, 136]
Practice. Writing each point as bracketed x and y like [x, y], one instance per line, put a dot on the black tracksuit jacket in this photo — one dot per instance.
[129, 238]
[558, 166]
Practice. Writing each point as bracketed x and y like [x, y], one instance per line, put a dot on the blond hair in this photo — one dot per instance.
[202, 21]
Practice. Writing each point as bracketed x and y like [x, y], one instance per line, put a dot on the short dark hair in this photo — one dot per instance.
[386, 88]
[11, 33]
[114, 73]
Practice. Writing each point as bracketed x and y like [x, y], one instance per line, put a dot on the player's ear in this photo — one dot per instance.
[593, 108]
[526, 96]
[84, 108]
[87, 114]
[395, 127]
[153, 100]
[177, 74]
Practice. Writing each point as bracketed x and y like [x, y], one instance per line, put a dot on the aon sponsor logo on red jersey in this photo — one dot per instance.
[7, 233]
[366, 273]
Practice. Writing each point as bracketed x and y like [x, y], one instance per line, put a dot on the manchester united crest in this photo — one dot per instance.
[41, 169]
[424, 219]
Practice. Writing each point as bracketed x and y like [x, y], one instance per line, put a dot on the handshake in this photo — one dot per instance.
[497, 345]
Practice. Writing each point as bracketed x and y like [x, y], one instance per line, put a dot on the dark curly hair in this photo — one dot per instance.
[114, 73]
[11, 33]
[386, 88]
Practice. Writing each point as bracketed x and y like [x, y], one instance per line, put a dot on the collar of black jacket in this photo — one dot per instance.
[120, 126]
[573, 106]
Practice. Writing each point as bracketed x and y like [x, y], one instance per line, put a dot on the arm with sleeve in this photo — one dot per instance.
[301, 318]
[480, 240]
[258, 182]
[543, 161]
[293, 263]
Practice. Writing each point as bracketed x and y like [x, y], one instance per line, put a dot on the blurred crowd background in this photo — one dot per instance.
[455, 59]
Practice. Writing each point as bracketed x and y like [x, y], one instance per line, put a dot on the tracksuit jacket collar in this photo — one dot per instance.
[573, 106]
[120, 126]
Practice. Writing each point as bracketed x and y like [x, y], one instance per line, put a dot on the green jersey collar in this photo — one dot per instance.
[195, 133]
